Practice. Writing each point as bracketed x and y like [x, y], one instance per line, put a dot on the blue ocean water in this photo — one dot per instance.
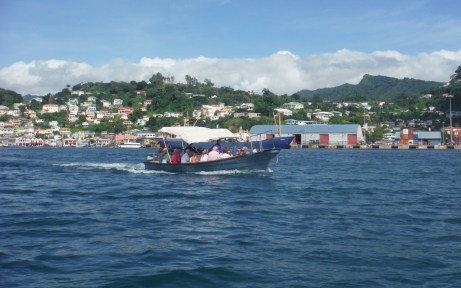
[317, 218]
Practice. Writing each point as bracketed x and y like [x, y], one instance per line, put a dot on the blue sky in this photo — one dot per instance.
[95, 40]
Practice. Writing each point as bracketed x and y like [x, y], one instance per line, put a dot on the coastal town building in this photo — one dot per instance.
[294, 105]
[246, 106]
[247, 114]
[50, 108]
[125, 110]
[286, 112]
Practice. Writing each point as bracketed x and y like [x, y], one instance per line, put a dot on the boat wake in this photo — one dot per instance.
[140, 169]
[126, 167]
[232, 172]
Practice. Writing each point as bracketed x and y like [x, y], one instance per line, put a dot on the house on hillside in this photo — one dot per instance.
[105, 103]
[125, 110]
[247, 114]
[117, 102]
[286, 112]
[293, 105]
[50, 108]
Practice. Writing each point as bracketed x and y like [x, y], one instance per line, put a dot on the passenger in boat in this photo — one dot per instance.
[239, 152]
[186, 156]
[169, 155]
[218, 144]
[214, 154]
[225, 153]
[163, 155]
[176, 158]
[245, 151]
[193, 157]
[204, 156]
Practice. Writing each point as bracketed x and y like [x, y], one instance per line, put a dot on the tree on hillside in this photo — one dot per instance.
[35, 105]
[457, 74]
[157, 79]
[141, 85]
[77, 87]
[356, 98]
[317, 99]
[8, 97]
[208, 82]
[191, 81]
[337, 120]
[266, 92]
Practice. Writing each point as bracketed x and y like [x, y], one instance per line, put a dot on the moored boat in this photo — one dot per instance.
[129, 145]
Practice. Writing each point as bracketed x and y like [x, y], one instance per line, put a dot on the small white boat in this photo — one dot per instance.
[129, 145]
[82, 144]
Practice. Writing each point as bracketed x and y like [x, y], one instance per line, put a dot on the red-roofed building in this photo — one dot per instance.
[125, 110]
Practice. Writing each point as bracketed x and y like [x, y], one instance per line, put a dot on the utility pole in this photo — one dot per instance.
[443, 132]
[451, 126]
[364, 130]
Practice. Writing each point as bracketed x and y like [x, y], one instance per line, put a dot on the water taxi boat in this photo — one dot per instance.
[256, 161]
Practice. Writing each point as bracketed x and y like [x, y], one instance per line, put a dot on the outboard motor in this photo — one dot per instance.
[152, 157]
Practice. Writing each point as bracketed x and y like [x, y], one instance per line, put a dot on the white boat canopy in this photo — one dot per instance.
[198, 134]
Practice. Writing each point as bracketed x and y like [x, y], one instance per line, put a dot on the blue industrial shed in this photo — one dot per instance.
[323, 134]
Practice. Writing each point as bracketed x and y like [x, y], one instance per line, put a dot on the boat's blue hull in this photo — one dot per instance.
[253, 162]
[277, 142]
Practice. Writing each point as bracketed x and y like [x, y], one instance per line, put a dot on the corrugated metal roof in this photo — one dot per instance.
[423, 135]
[312, 128]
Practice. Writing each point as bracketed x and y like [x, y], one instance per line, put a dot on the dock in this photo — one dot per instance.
[378, 147]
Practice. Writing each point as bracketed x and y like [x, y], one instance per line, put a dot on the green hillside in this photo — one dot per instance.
[374, 87]
[8, 97]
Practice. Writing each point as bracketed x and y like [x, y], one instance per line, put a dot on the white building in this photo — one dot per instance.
[247, 114]
[105, 103]
[286, 112]
[173, 114]
[247, 106]
[50, 108]
[77, 92]
[322, 116]
[293, 105]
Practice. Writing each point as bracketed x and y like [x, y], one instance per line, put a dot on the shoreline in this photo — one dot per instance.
[379, 147]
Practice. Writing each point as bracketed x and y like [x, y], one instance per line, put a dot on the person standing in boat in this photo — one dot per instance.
[218, 144]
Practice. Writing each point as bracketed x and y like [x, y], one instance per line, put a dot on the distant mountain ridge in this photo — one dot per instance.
[374, 87]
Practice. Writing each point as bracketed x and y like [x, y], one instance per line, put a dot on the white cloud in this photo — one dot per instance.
[281, 72]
